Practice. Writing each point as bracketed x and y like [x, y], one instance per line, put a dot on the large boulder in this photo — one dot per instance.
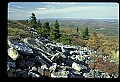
[13, 53]
[20, 47]
[76, 66]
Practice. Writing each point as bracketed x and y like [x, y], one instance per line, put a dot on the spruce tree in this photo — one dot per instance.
[54, 31]
[45, 29]
[33, 21]
[84, 34]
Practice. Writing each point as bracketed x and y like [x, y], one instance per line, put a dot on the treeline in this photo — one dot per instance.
[52, 32]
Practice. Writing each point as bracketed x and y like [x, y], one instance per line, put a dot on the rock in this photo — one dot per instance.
[21, 73]
[31, 62]
[61, 74]
[91, 74]
[34, 69]
[53, 67]
[80, 57]
[44, 67]
[11, 65]
[11, 73]
[32, 74]
[71, 75]
[55, 57]
[20, 63]
[76, 66]
[41, 61]
[65, 51]
[13, 53]
[8, 67]
[20, 47]
[40, 71]
[105, 75]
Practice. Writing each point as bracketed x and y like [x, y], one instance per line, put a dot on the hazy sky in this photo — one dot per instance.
[23, 10]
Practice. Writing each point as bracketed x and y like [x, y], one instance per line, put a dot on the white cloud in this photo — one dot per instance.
[19, 7]
[70, 9]
[15, 10]
[53, 9]
[41, 8]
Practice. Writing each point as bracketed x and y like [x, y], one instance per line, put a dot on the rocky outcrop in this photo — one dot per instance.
[38, 57]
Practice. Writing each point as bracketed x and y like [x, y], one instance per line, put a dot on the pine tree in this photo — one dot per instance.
[77, 29]
[54, 32]
[33, 22]
[84, 34]
[45, 29]
[39, 25]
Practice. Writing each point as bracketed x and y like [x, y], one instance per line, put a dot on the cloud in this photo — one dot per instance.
[62, 9]
[71, 9]
[15, 10]
[19, 7]
[41, 8]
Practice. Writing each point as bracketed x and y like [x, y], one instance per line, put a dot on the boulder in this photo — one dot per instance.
[21, 73]
[53, 67]
[76, 66]
[32, 74]
[11, 65]
[41, 61]
[55, 57]
[61, 74]
[20, 47]
[13, 53]
[20, 63]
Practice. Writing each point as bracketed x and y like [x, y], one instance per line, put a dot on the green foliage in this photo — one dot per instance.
[54, 31]
[43, 29]
[84, 34]
[17, 33]
[65, 39]
[39, 25]
[33, 22]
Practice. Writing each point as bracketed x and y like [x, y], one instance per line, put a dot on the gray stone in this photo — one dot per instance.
[105, 75]
[32, 74]
[41, 61]
[55, 57]
[76, 66]
[21, 73]
[10, 65]
[13, 53]
[53, 67]
[40, 71]
[44, 67]
[21, 63]
[61, 74]
[20, 47]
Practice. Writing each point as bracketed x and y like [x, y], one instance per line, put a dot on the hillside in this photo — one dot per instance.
[36, 56]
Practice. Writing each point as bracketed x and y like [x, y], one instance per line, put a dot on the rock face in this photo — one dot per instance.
[38, 57]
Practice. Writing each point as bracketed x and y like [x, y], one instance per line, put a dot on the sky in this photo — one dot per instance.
[82, 10]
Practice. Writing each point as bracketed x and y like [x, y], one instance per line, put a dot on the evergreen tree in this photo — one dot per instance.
[84, 34]
[45, 29]
[39, 25]
[33, 22]
[77, 29]
[56, 29]
[54, 32]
